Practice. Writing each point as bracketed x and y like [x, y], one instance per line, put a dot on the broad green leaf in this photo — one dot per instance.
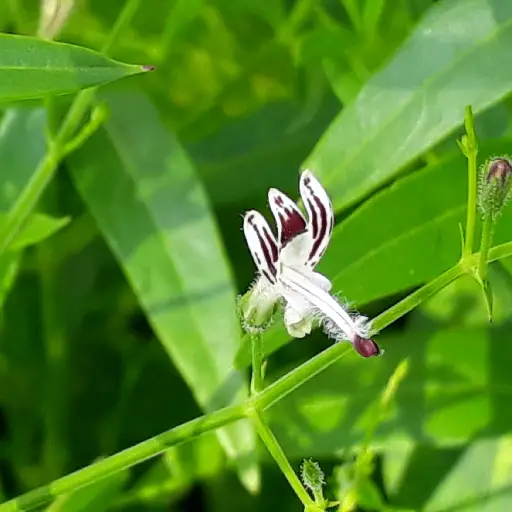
[406, 234]
[474, 477]
[247, 156]
[480, 480]
[456, 387]
[35, 68]
[458, 55]
[96, 497]
[38, 227]
[152, 210]
[22, 146]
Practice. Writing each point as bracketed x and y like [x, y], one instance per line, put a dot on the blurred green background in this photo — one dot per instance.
[122, 324]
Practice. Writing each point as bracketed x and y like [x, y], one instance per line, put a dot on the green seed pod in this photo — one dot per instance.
[494, 187]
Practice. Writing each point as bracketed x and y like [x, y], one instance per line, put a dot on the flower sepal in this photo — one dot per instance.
[256, 309]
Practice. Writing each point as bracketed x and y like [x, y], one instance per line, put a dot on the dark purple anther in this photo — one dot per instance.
[366, 347]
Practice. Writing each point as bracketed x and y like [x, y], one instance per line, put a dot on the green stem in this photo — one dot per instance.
[124, 459]
[268, 397]
[257, 364]
[483, 263]
[54, 452]
[279, 456]
[122, 22]
[485, 246]
[471, 151]
[42, 176]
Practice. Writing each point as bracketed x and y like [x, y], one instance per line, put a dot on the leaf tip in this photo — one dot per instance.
[148, 68]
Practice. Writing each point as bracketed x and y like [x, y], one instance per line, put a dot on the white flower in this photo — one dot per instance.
[286, 268]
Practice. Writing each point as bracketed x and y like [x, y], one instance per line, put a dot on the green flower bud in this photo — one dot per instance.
[256, 309]
[494, 187]
[312, 476]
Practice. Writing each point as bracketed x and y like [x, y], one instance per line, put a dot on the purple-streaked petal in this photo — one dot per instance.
[262, 244]
[366, 347]
[321, 215]
[289, 219]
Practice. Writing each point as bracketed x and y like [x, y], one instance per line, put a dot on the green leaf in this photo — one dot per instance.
[458, 55]
[445, 306]
[34, 68]
[22, 146]
[152, 210]
[38, 227]
[456, 387]
[481, 479]
[474, 477]
[240, 161]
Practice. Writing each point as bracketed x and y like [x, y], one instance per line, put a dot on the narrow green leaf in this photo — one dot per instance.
[153, 212]
[372, 12]
[35, 68]
[38, 227]
[458, 55]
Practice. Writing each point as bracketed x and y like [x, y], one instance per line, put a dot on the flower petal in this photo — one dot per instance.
[289, 219]
[297, 315]
[296, 252]
[262, 244]
[335, 318]
[320, 280]
[321, 215]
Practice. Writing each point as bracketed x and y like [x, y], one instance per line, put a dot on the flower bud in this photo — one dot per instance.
[256, 310]
[312, 476]
[495, 186]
